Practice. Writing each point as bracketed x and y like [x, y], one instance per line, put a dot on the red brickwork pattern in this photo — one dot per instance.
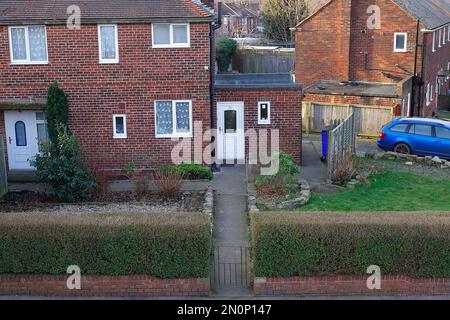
[97, 91]
[285, 113]
[349, 285]
[103, 286]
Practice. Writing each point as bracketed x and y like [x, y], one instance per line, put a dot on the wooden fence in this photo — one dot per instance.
[3, 176]
[341, 144]
[368, 119]
[264, 61]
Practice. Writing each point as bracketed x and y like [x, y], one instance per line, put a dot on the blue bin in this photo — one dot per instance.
[324, 145]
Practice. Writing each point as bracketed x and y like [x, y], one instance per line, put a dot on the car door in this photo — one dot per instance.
[423, 139]
[442, 141]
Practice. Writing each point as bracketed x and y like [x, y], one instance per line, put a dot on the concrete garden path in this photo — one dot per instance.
[231, 261]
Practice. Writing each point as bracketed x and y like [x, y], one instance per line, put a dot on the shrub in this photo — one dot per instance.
[101, 177]
[168, 181]
[225, 49]
[140, 181]
[286, 175]
[346, 167]
[165, 246]
[57, 110]
[192, 171]
[313, 244]
[61, 166]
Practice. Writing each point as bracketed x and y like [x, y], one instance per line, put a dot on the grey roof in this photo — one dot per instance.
[55, 11]
[236, 10]
[256, 81]
[354, 88]
[432, 13]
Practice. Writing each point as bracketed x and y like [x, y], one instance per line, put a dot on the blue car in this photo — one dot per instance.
[420, 136]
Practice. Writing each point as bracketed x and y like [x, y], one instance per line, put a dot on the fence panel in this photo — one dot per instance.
[3, 176]
[341, 143]
[368, 119]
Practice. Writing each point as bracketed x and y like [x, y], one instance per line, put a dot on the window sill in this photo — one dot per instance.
[119, 137]
[264, 123]
[25, 63]
[171, 46]
[401, 51]
[108, 62]
[175, 136]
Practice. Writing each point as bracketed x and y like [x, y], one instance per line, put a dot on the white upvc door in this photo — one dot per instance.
[231, 136]
[21, 138]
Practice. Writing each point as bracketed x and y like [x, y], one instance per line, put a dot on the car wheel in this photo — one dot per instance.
[402, 148]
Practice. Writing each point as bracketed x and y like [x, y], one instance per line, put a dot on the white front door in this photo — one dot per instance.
[22, 131]
[231, 137]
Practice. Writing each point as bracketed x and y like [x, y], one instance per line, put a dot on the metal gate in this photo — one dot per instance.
[231, 267]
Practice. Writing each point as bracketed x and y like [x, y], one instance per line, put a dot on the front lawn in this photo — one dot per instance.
[388, 191]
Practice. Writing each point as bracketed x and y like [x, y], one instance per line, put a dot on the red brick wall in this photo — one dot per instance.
[332, 46]
[379, 44]
[103, 286]
[97, 91]
[322, 45]
[285, 113]
[349, 285]
[434, 61]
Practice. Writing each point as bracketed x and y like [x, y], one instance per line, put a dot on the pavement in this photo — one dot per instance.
[231, 263]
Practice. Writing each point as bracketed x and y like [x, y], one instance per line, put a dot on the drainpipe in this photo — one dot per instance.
[212, 28]
[421, 83]
[413, 85]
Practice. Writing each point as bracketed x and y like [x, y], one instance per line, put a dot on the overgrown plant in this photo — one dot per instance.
[284, 179]
[192, 171]
[168, 181]
[225, 50]
[346, 167]
[61, 165]
[102, 178]
[140, 181]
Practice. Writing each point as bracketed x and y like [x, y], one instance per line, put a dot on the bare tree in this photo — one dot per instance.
[281, 15]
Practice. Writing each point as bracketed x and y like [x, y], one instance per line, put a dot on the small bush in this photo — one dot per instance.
[346, 167]
[101, 177]
[192, 171]
[285, 177]
[313, 244]
[225, 49]
[140, 181]
[61, 166]
[168, 181]
[177, 246]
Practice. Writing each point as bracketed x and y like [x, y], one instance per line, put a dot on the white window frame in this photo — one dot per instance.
[448, 33]
[174, 133]
[443, 36]
[120, 135]
[440, 38]
[171, 44]
[268, 112]
[27, 46]
[116, 29]
[405, 49]
[428, 101]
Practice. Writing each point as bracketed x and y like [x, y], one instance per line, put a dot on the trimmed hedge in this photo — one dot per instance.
[178, 246]
[315, 244]
[192, 171]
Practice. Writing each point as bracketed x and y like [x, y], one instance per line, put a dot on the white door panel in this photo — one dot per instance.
[231, 137]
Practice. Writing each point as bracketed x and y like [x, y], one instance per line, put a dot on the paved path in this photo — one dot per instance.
[231, 232]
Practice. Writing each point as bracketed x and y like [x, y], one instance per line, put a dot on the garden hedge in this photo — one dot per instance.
[162, 245]
[315, 244]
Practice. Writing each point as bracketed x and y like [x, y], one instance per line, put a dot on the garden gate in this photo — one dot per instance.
[231, 267]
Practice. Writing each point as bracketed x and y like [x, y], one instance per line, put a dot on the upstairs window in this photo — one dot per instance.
[108, 43]
[28, 45]
[400, 42]
[166, 35]
[173, 119]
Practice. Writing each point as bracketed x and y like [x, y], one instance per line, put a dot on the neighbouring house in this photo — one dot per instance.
[380, 58]
[139, 77]
[238, 20]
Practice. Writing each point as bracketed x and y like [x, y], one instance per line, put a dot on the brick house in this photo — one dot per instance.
[238, 20]
[139, 77]
[399, 60]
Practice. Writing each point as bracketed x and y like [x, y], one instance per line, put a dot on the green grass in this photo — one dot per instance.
[388, 191]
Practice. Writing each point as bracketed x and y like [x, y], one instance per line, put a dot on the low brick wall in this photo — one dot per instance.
[103, 286]
[349, 285]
